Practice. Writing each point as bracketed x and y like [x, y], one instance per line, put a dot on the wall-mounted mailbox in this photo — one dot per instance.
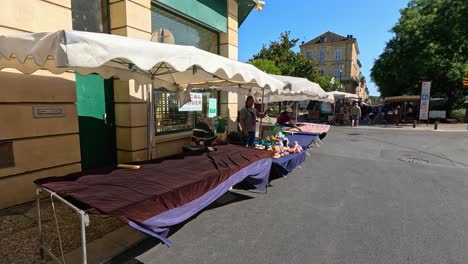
[48, 111]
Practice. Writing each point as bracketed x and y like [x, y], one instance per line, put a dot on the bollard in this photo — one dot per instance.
[436, 124]
[414, 123]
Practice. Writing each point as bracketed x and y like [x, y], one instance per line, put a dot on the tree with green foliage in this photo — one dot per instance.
[290, 63]
[430, 44]
[329, 83]
[267, 66]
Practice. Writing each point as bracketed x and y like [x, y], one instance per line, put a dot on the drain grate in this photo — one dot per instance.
[354, 134]
[414, 160]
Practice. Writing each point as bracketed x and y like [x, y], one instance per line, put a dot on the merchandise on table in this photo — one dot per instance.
[279, 144]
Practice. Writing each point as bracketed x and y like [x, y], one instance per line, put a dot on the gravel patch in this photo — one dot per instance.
[19, 238]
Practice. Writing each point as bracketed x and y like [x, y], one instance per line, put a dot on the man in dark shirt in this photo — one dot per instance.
[284, 119]
[248, 121]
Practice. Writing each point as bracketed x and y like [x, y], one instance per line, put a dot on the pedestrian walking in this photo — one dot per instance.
[355, 114]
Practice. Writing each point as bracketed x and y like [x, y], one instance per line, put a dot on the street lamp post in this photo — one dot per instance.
[341, 70]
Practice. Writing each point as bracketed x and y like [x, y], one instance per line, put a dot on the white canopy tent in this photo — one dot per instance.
[167, 65]
[301, 89]
[294, 89]
[329, 99]
[342, 95]
[174, 67]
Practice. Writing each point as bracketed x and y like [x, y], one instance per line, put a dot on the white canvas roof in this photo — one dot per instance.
[300, 89]
[167, 65]
[338, 95]
[294, 89]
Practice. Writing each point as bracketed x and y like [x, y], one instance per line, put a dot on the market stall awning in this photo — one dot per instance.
[299, 89]
[329, 99]
[166, 65]
[342, 95]
[294, 89]
[403, 98]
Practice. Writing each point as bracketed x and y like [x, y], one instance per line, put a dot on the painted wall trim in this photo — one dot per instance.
[212, 14]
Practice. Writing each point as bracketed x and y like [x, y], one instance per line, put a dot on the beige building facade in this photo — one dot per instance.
[33, 146]
[337, 56]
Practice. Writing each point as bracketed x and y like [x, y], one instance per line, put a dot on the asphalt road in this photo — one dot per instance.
[365, 196]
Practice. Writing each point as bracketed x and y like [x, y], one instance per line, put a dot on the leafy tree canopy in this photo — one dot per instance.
[267, 66]
[329, 84]
[430, 44]
[289, 63]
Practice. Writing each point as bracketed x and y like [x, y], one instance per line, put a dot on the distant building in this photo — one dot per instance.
[337, 56]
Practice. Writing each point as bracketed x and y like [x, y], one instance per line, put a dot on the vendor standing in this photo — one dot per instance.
[248, 121]
[284, 119]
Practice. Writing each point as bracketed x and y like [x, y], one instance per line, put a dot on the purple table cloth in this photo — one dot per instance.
[284, 165]
[303, 139]
[158, 226]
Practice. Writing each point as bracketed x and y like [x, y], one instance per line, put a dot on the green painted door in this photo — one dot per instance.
[95, 104]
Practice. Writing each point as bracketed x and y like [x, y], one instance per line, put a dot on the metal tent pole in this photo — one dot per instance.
[260, 134]
[296, 109]
[39, 223]
[84, 219]
[150, 120]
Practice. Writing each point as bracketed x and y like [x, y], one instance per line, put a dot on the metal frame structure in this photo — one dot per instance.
[84, 220]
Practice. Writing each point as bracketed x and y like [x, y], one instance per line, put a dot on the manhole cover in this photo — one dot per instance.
[414, 160]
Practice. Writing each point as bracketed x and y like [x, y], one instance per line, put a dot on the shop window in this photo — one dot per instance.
[6, 154]
[185, 31]
[170, 118]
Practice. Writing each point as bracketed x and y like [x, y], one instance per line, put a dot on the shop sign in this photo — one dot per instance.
[212, 107]
[425, 97]
[195, 104]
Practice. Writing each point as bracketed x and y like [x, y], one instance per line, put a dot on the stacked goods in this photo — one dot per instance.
[279, 144]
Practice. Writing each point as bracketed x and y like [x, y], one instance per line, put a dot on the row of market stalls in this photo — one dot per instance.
[406, 109]
[154, 195]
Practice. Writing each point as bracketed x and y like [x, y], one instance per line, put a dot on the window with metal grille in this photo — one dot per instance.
[169, 118]
[167, 115]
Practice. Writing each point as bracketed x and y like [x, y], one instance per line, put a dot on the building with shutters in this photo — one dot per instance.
[337, 56]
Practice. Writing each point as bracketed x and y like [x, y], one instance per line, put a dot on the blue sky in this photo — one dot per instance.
[367, 20]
